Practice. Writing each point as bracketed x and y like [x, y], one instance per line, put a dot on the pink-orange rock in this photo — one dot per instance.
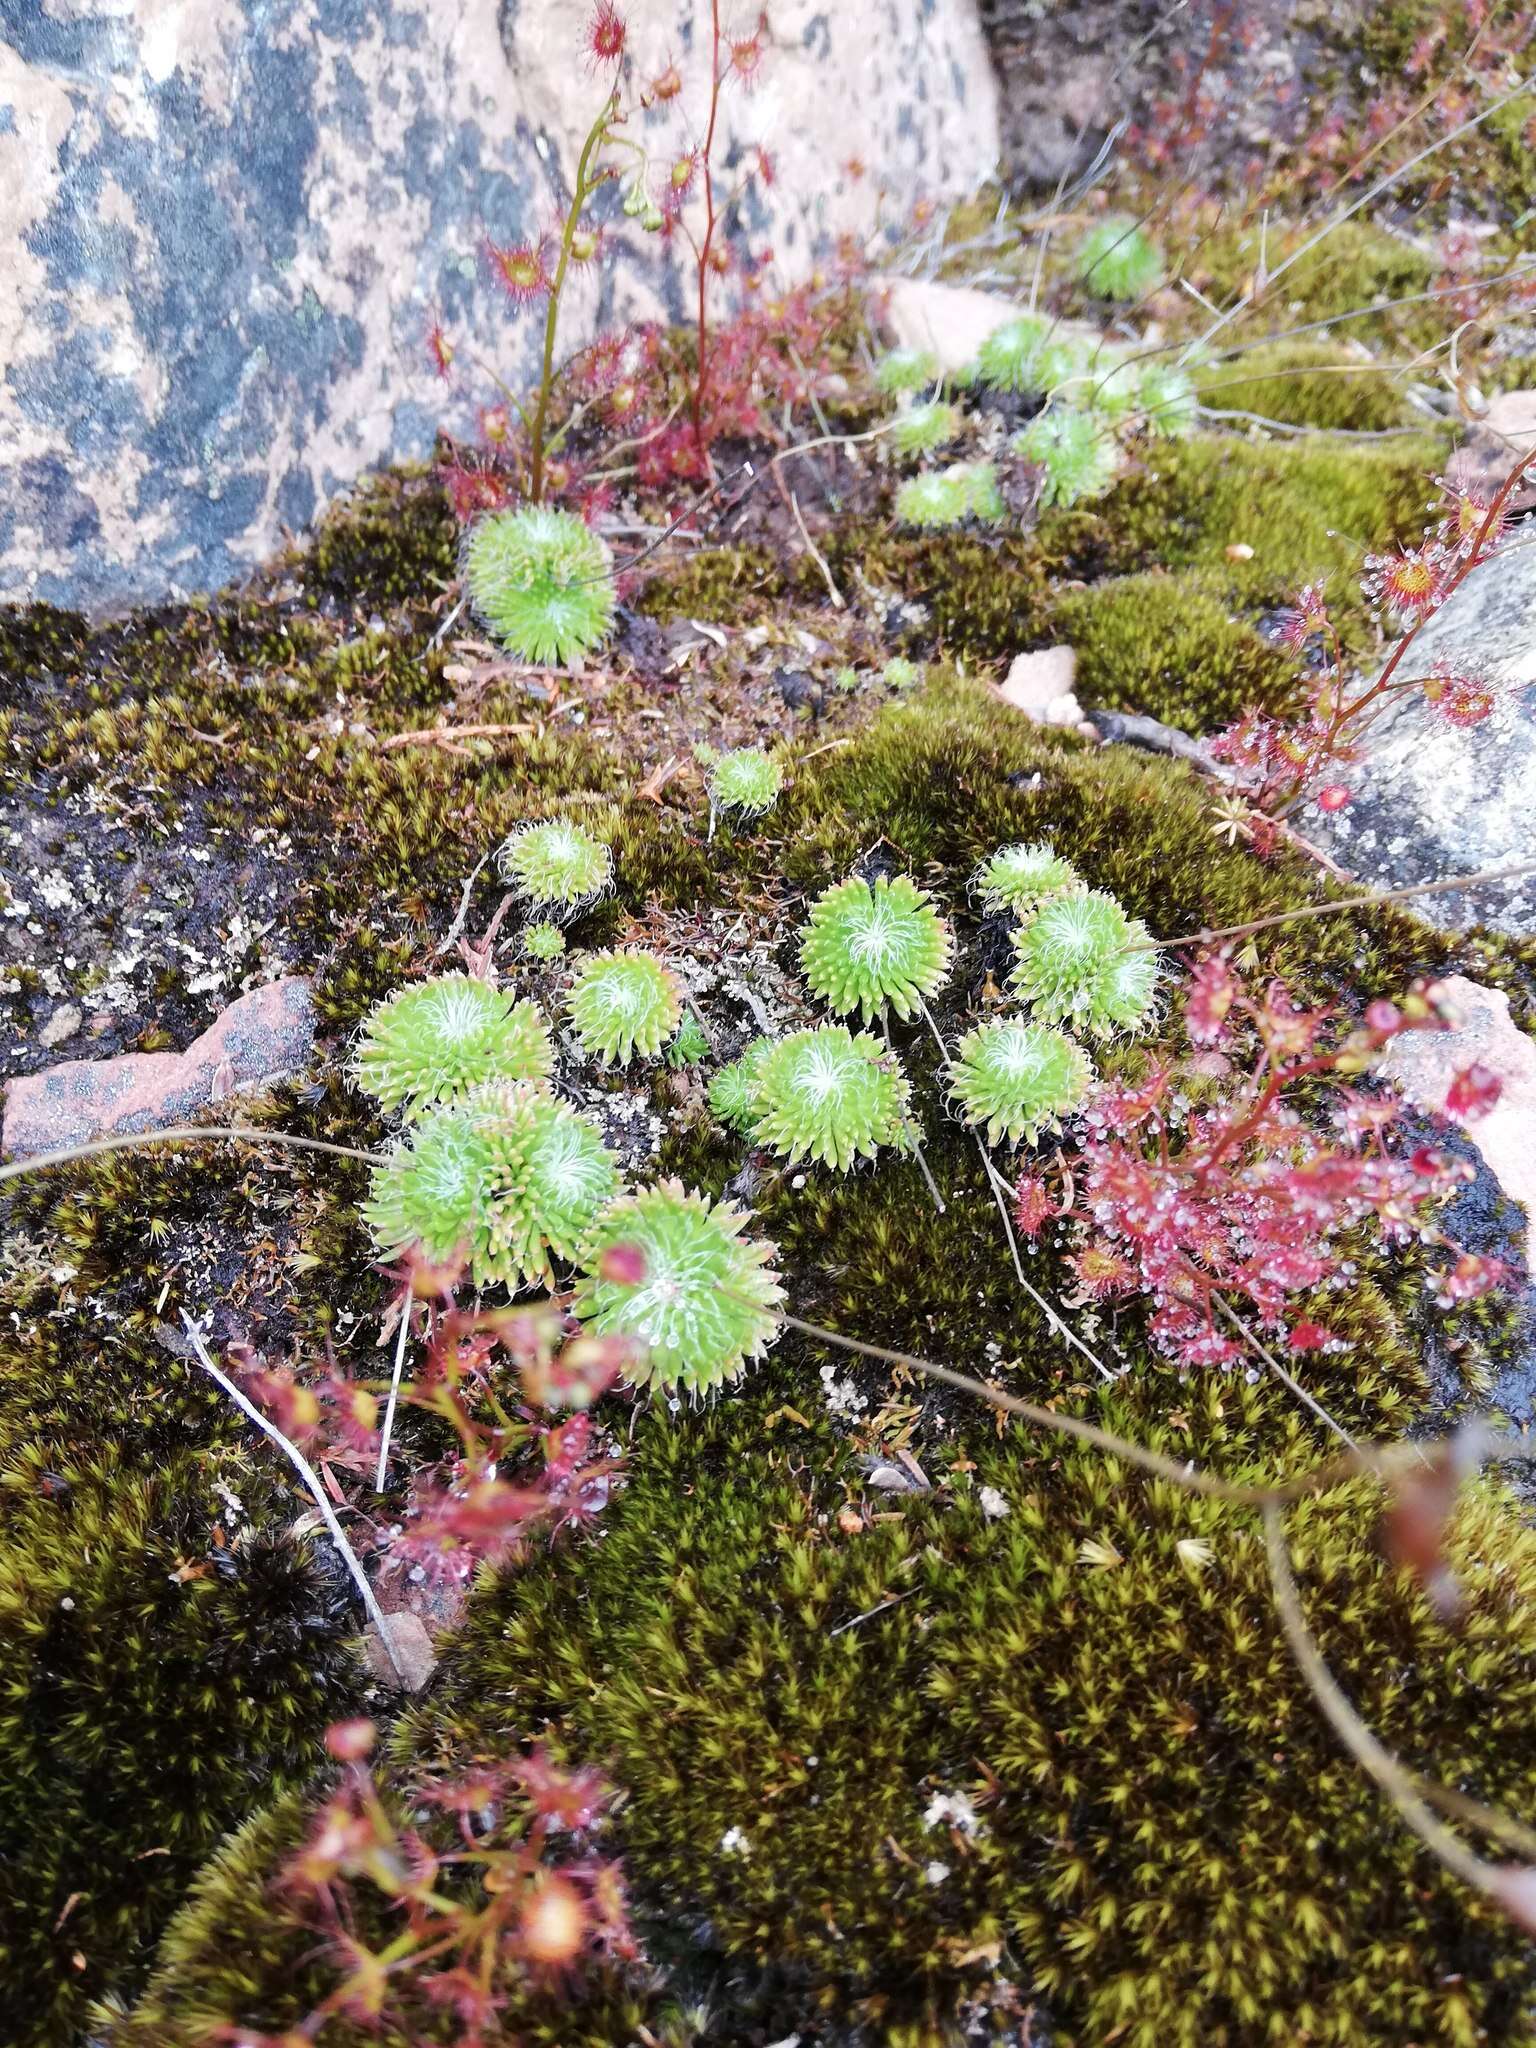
[1421, 1065]
[265, 1035]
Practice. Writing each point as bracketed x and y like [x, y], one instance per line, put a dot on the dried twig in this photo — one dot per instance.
[311, 1479]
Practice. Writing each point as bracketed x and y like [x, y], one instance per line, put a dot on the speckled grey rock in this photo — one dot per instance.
[1434, 800]
[225, 226]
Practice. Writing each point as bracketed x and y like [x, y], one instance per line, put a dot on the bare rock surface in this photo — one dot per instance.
[1434, 800]
[262, 1037]
[226, 227]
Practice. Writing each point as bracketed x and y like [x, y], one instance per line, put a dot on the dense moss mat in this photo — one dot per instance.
[271, 714]
[1168, 1841]
[168, 1656]
[1309, 384]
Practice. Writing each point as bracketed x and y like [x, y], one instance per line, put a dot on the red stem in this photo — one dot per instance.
[702, 373]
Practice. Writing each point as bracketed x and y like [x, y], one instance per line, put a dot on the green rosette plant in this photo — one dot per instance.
[558, 867]
[510, 1179]
[1165, 401]
[906, 369]
[1078, 456]
[690, 1044]
[1117, 259]
[733, 1091]
[1081, 959]
[544, 942]
[876, 948]
[436, 1040]
[745, 782]
[1006, 359]
[1018, 1079]
[922, 428]
[542, 581]
[1020, 878]
[945, 497]
[831, 1094]
[622, 1003]
[676, 1272]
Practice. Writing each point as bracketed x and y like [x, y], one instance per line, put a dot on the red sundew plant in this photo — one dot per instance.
[673, 405]
[1280, 763]
[492, 1886]
[1229, 1216]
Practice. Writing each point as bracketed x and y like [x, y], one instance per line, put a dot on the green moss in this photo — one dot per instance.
[782, 1764]
[1307, 383]
[165, 1662]
[1165, 646]
[725, 585]
[392, 540]
[1353, 267]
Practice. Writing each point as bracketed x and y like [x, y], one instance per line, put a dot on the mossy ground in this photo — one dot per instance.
[1170, 1845]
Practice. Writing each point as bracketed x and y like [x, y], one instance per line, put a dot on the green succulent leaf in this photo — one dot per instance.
[924, 427]
[875, 948]
[1117, 259]
[436, 1040]
[542, 581]
[510, 1178]
[557, 866]
[1165, 401]
[945, 497]
[622, 1003]
[1073, 448]
[831, 1094]
[689, 1045]
[746, 781]
[706, 1301]
[1018, 1079]
[1020, 878]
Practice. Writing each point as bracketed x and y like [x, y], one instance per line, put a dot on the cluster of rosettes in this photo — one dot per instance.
[1081, 960]
[946, 497]
[923, 427]
[542, 581]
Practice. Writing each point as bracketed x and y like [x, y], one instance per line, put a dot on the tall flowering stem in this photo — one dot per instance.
[701, 373]
[587, 182]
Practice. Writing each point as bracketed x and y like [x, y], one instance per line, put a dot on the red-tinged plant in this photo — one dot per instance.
[1228, 1217]
[1280, 763]
[458, 1893]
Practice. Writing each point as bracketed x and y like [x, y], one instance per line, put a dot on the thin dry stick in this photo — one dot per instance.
[1363, 902]
[450, 735]
[394, 1395]
[185, 1134]
[815, 554]
[1376, 1761]
[1057, 1322]
[311, 1479]
[1366, 198]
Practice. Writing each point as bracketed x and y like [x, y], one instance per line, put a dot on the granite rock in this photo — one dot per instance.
[1431, 799]
[227, 225]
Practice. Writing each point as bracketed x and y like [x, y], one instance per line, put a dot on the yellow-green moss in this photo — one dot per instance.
[1310, 384]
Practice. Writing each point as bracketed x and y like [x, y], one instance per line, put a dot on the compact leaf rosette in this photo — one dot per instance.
[830, 1094]
[436, 1040]
[557, 867]
[1018, 1079]
[1081, 960]
[623, 1003]
[676, 1272]
[542, 581]
[873, 948]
